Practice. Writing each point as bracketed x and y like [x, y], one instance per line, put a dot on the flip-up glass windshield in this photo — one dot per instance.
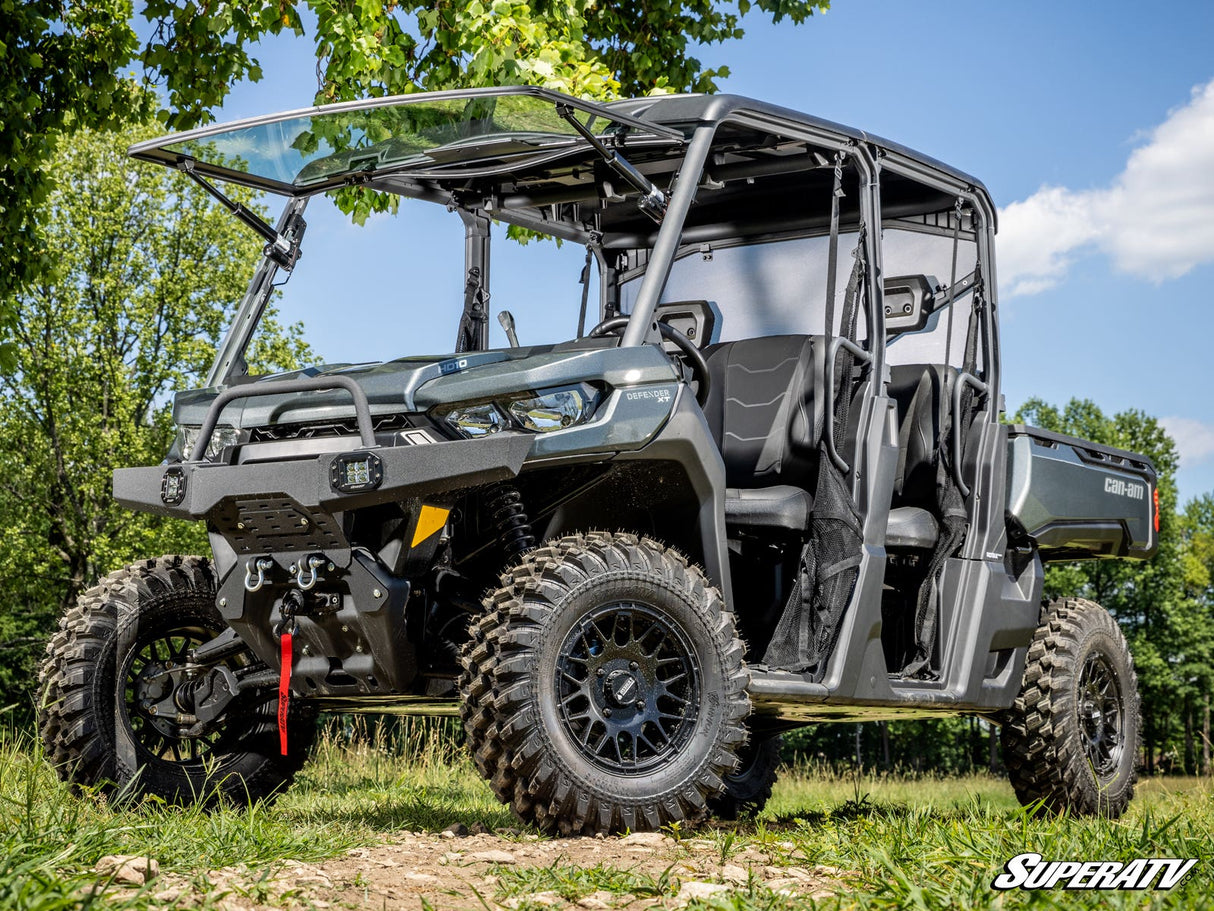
[319, 147]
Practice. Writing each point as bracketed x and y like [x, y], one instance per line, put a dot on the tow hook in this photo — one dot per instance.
[260, 565]
[307, 574]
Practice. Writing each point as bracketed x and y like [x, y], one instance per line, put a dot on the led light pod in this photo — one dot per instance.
[352, 472]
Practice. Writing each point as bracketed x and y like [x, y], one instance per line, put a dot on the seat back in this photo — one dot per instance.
[920, 391]
[761, 410]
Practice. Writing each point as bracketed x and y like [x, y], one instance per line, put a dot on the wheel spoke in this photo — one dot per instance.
[626, 682]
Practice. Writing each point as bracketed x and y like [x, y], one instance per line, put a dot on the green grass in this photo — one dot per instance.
[906, 843]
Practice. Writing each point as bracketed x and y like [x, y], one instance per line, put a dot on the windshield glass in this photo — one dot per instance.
[309, 149]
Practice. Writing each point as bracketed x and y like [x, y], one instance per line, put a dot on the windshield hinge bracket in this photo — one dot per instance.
[282, 248]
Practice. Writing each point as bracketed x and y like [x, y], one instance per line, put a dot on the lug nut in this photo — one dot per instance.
[607, 713]
[600, 672]
[633, 665]
[641, 704]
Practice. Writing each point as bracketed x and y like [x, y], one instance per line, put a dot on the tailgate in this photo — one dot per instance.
[1078, 500]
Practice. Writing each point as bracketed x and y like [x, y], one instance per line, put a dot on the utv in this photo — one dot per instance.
[765, 485]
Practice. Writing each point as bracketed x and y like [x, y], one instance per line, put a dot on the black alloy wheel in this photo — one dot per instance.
[1101, 716]
[628, 684]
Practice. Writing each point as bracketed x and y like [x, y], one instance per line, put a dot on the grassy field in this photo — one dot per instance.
[901, 843]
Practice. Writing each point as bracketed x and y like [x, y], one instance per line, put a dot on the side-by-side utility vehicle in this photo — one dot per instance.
[764, 484]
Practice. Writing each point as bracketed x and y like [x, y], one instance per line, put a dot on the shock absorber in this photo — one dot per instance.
[509, 516]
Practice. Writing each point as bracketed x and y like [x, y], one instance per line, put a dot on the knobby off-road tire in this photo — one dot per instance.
[604, 689]
[748, 787]
[148, 614]
[1071, 738]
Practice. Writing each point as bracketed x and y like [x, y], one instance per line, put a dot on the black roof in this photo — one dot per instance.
[674, 109]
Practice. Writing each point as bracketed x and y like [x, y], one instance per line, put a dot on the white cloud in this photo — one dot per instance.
[1194, 439]
[1156, 219]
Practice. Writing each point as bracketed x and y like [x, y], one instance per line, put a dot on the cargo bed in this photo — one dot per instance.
[1077, 500]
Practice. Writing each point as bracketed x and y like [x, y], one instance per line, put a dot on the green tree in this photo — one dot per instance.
[1153, 602]
[145, 273]
[1198, 535]
[389, 47]
[60, 69]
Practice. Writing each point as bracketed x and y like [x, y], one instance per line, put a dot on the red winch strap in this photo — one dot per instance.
[284, 689]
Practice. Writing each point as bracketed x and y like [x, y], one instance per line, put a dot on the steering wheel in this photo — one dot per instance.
[692, 355]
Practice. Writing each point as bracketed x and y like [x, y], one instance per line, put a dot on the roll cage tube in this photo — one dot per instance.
[640, 325]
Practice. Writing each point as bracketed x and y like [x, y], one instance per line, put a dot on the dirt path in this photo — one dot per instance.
[414, 870]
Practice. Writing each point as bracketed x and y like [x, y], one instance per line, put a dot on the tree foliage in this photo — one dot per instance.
[60, 69]
[372, 47]
[144, 274]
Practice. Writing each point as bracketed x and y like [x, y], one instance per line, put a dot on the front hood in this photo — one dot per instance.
[418, 384]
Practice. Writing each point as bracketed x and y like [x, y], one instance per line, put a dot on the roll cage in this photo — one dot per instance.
[729, 166]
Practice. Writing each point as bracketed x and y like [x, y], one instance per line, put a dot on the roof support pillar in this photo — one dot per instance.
[667, 244]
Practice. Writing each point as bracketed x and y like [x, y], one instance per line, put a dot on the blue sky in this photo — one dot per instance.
[1091, 125]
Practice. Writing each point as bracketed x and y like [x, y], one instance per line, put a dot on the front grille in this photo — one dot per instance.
[387, 423]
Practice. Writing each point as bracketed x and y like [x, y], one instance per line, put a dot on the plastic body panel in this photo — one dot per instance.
[1079, 500]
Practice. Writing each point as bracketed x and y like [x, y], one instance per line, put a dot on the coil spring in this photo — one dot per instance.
[184, 695]
[509, 516]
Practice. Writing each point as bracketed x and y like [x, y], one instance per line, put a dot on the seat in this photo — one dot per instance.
[782, 506]
[911, 528]
[920, 391]
[761, 414]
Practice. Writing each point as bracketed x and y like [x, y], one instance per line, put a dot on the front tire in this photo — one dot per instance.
[617, 687]
[1071, 739]
[137, 626]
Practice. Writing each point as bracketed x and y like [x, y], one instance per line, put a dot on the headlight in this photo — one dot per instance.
[222, 438]
[554, 410]
[538, 412]
[477, 420]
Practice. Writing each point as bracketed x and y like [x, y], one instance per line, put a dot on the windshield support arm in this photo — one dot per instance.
[473, 332]
[653, 201]
[283, 249]
[229, 359]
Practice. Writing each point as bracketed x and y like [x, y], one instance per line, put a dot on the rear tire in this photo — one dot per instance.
[605, 690]
[1071, 739]
[129, 625]
[749, 786]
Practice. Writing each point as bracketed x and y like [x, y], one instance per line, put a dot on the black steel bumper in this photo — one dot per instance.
[408, 471]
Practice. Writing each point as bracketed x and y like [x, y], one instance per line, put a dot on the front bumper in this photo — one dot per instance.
[408, 471]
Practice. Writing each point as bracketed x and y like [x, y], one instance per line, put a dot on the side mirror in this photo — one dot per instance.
[909, 300]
